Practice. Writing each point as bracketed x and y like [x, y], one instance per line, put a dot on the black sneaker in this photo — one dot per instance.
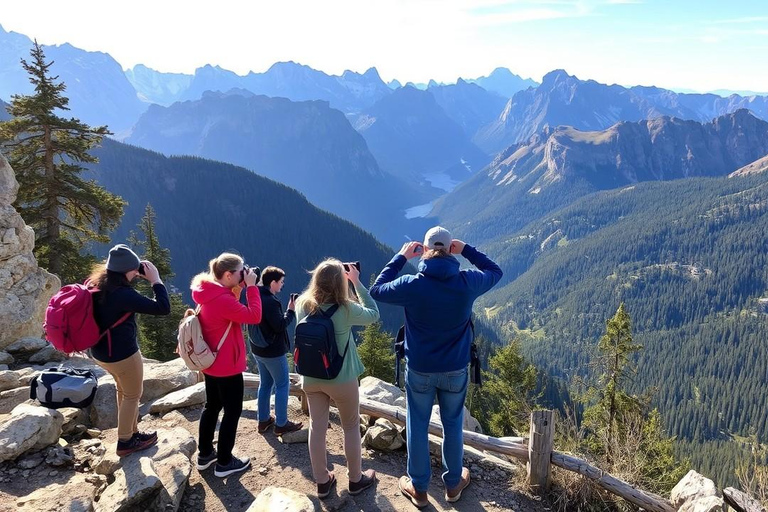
[323, 490]
[366, 480]
[288, 427]
[234, 466]
[145, 436]
[134, 445]
[204, 462]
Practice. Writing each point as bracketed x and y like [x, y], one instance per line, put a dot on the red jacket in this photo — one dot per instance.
[218, 306]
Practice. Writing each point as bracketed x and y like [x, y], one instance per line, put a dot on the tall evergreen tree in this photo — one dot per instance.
[376, 353]
[46, 150]
[157, 334]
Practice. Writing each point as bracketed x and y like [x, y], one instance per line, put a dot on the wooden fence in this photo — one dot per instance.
[537, 453]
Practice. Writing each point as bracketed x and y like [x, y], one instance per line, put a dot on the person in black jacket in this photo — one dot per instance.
[270, 343]
[118, 351]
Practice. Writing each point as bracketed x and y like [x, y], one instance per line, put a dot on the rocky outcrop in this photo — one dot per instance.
[380, 391]
[695, 493]
[25, 288]
[29, 428]
[193, 395]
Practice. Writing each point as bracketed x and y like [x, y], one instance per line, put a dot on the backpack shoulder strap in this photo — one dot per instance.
[328, 313]
[223, 338]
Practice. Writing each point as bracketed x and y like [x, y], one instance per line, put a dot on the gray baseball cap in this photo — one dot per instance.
[438, 238]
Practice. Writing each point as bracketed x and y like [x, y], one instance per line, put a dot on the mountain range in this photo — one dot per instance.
[558, 165]
[99, 92]
[503, 82]
[306, 145]
[563, 99]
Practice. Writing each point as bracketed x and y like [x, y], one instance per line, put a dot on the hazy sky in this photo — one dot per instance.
[694, 44]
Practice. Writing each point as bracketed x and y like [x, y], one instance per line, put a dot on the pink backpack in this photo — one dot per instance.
[69, 322]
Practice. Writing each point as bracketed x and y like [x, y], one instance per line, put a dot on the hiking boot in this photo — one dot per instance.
[264, 425]
[366, 480]
[453, 495]
[235, 465]
[144, 436]
[323, 490]
[288, 427]
[134, 444]
[418, 498]
[204, 462]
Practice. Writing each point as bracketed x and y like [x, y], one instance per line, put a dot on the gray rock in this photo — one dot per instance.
[3, 367]
[692, 487]
[172, 441]
[707, 504]
[93, 433]
[173, 418]
[384, 436]
[377, 390]
[5, 358]
[11, 398]
[9, 380]
[163, 378]
[29, 428]
[30, 462]
[193, 395]
[59, 456]
[48, 354]
[174, 474]
[135, 482]
[76, 495]
[295, 437]
[72, 418]
[107, 464]
[26, 345]
[104, 406]
[279, 498]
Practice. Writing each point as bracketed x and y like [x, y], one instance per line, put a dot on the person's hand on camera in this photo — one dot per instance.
[353, 274]
[457, 246]
[151, 273]
[251, 278]
[411, 250]
[292, 303]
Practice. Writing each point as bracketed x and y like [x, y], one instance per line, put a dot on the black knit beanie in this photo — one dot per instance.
[122, 259]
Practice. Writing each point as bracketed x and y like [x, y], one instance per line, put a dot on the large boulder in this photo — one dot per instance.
[279, 498]
[193, 395]
[174, 474]
[5, 358]
[692, 487]
[162, 378]
[26, 345]
[76, 495]
[48, 354]
[379, 391]
[9, 380]
[104, 406]
[708, 504]
[11, 398]
[25, 288]
[29, 428]
[135, 482]
[470, 423]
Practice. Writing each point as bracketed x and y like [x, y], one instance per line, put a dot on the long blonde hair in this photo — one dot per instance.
[224, 262]
[328, 285]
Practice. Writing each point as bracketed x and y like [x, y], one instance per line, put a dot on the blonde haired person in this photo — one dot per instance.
[328, 287]
[221, 315]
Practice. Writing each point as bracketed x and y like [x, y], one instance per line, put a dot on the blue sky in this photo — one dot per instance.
[680, 44]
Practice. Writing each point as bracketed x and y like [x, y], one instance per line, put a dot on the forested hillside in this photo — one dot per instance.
[689, 258]
[205, 207]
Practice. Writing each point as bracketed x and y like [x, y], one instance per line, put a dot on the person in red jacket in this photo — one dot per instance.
[221, 315]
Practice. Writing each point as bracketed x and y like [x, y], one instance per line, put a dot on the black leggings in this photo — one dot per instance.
[221, 393]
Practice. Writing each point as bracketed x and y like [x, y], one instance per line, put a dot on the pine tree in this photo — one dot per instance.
[157, 334]
[503, 404]
[46, 150]
[376, 353]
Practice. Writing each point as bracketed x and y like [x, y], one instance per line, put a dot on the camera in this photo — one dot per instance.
[355, 264]
[246, 268]
[141, 269]
[294, 296]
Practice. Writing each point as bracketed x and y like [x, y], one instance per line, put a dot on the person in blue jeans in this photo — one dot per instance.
[270, 356]
[438, 304]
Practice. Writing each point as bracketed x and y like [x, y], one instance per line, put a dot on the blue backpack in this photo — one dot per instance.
[315, 352]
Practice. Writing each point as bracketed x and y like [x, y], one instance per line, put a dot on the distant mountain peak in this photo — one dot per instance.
[557, 75]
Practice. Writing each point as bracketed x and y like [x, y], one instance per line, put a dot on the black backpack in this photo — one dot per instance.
[315, 352]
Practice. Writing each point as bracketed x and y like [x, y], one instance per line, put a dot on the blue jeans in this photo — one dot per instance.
[273, 374]
[451, 390]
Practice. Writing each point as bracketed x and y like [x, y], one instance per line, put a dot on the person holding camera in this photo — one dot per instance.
[269, 343]
[115, 306]
[438, 304]
[328, 288]
[221, 317]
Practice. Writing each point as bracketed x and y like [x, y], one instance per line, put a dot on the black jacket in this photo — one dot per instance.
[274, 325]
[124, 337]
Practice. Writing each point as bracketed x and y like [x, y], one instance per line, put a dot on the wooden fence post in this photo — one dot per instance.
[540, 450]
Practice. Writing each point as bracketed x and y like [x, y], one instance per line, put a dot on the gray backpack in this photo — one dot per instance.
[64, 387]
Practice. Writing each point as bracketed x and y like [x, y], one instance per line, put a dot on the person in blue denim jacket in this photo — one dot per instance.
[438, 304]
